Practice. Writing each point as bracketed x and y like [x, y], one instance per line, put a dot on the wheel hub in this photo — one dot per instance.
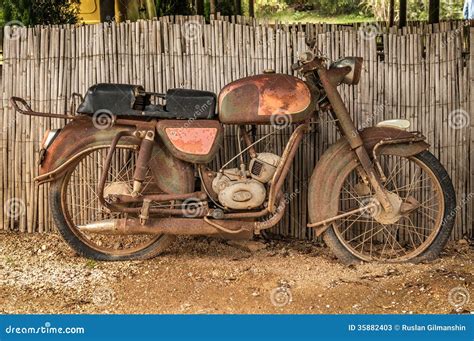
[116, 188]
[384, 217]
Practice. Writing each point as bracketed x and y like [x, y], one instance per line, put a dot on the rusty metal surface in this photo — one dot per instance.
[336, 75]
[255, 99]
[348, 129]
[75, 137]
[194, 141]
[174, 226]
[144, 156]
[345, 123]
[191, 141]
[185, 226]
[248, 142]
[338, 161]
[207, 176]
[26, 110]
[274, 218]
[171, 174]
[160, 197]
[373, 135]
[285, 164]
[106, 167]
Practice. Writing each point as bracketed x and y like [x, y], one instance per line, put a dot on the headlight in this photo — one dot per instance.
[355, 63]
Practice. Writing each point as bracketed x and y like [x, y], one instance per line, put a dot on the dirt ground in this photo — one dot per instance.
[40, 274]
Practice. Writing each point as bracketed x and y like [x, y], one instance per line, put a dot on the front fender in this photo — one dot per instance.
[339, 160]
[80, 136]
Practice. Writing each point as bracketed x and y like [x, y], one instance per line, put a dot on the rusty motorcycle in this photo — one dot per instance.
[132, 169]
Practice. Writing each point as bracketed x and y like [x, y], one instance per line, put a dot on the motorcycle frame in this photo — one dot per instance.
[144, 157]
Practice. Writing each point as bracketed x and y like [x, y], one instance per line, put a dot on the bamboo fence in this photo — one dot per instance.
[423, 73]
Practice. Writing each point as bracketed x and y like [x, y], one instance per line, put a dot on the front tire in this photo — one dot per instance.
[352, 240]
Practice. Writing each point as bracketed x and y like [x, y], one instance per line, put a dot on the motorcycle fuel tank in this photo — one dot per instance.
[265, 99]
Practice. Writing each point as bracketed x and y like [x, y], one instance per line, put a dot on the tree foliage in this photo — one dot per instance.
[321, 7]
[173, 7]
[34, 12]
[417, 9]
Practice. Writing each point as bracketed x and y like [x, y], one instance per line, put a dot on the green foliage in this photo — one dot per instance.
[225, 7]
[91, 264]
[265, 8]
[173, 7]
[417, 9]
[312, 17]
[34, 12]
[326, 7]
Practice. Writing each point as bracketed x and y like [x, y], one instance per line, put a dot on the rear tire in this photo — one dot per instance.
[71, 237]
[68, 211]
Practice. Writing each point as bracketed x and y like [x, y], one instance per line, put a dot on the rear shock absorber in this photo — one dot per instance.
[146, 148]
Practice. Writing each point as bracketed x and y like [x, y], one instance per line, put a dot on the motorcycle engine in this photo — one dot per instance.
[246, 191]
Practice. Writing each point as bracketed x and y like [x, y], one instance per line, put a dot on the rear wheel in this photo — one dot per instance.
[74, 201]
[415, 234]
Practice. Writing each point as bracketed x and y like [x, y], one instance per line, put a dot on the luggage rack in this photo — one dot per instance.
[21, 106]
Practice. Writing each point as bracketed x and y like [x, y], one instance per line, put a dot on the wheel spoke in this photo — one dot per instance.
[364, 236]
[82, 205]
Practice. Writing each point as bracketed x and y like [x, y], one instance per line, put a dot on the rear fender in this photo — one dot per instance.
[339, 160]
[81, 136]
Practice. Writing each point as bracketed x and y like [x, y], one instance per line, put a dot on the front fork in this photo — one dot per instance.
[348, 129]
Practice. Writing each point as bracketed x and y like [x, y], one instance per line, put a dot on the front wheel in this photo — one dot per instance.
[415, 234]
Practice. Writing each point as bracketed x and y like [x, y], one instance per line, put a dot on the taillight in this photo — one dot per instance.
[48, 139]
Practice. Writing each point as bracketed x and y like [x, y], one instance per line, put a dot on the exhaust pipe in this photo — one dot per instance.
[184, 226]
[176, 226]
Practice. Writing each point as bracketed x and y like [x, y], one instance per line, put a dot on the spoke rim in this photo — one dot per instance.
[365, 229]
[72, 186]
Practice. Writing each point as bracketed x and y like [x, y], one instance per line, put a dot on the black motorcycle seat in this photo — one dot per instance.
[132, 100]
